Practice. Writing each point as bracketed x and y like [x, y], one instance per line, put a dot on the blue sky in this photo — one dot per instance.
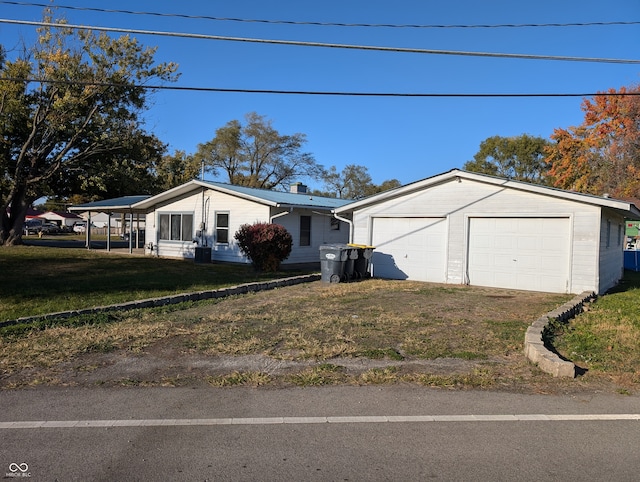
[403, 138]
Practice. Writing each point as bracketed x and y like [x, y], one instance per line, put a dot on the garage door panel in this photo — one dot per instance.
[521, 253]
[411, 248]
[529, 243]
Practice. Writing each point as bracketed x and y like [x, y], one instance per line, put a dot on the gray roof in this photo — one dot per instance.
[281, 198]
[262, 196]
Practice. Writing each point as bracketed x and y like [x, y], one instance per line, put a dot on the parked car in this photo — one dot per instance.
[32, 226]
[50, 228]
[80, 227]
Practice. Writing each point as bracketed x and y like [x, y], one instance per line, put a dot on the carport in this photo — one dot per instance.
[120, 205]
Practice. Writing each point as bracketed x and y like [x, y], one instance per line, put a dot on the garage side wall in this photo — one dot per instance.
[612, 238]
[458, 201]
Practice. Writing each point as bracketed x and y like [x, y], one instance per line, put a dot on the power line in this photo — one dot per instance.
[326, 45]
[323, 93]
[323, 24]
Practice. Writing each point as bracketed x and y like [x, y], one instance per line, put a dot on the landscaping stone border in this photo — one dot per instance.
[537, 352]
[172, 299]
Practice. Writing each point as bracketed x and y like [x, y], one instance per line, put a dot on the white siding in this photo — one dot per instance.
[321, 233]
[174, 249]
[241, 211]
[611, 250]
[458, 201]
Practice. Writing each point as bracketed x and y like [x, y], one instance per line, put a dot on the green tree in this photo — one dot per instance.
[175, 169]
[521, 158]
[257, 155]
[385, 186]
[70, 110]
[354, 182]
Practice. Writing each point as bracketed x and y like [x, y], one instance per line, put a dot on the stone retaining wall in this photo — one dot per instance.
[172, 299]
[534, 348]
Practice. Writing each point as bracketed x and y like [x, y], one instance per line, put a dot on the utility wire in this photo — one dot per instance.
[325, 45]
[321, 24]
[324, 93]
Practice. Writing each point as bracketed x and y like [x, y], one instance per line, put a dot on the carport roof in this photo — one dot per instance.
[118, 204]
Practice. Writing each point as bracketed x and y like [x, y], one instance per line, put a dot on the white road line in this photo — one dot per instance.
[314, 420]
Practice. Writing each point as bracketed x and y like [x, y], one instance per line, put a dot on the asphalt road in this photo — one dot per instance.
[328, 433]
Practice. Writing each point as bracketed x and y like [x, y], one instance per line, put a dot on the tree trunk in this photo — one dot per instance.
[12, 220]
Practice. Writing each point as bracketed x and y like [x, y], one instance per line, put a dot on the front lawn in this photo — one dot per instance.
[374, 331]
[37, 280]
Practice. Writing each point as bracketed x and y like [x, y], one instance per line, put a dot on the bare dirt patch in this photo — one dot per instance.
[313, 334]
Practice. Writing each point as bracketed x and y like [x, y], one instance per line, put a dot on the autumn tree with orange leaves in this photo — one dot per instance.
[602, 155]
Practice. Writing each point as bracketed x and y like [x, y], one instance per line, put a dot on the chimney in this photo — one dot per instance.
[298, 188]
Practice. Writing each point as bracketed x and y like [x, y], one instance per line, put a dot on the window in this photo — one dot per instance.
[305, 230]
[222, 228]
[335, 224]
[176, 227]
[619, 234]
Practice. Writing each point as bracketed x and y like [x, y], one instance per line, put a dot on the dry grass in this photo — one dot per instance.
[370, 332]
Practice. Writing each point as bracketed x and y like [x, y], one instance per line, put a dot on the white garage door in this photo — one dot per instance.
[409, 248]
[520, 253]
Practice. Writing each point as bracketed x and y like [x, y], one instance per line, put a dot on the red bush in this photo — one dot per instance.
[266, 245]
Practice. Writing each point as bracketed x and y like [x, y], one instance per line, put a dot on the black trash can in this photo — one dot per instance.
[332, 262]
[202, 255]
[362, 263]
[350, 264]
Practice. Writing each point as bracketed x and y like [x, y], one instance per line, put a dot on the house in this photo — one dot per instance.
[467, 228]
[31, 213]
[203, 213]
[62, 219]
[100, 219]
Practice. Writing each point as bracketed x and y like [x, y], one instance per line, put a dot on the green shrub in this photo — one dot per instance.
[266, 245]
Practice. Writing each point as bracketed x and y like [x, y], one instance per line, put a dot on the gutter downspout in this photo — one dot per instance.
[348, 221]
[284, 213]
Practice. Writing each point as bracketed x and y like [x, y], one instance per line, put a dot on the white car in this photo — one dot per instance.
[79, 228]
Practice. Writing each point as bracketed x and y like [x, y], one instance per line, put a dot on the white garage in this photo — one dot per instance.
[409, 248]
[467, 228]
[521, 253]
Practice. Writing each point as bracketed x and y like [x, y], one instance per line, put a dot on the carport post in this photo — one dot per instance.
[88, 231]
[108, 231]
[137, 230]
[130, 233]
